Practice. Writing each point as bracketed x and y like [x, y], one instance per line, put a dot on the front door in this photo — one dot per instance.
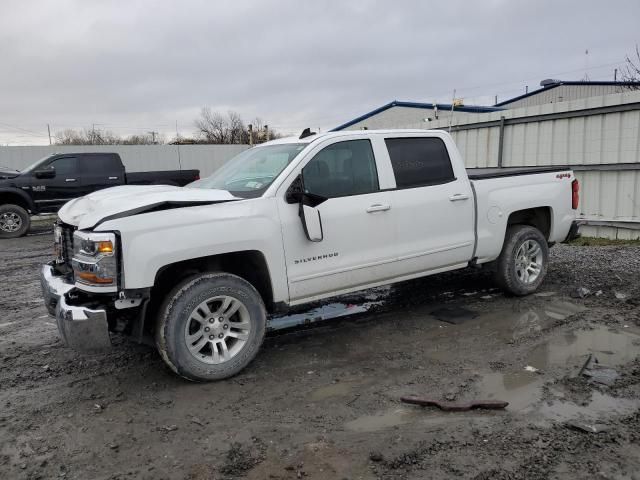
[50, 194]
[357, 225]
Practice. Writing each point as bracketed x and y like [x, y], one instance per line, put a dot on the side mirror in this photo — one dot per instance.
[45, 172]
[309, 215]
[311, 222]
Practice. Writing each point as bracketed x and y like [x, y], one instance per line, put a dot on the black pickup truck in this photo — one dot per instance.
[50, 182]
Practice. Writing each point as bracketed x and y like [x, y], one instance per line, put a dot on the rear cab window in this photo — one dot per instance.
[419, 161]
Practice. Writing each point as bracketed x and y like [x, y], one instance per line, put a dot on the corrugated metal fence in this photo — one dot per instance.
[598, 137]
[136, 158]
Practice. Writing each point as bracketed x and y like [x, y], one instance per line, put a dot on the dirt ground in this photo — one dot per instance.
[324, 402]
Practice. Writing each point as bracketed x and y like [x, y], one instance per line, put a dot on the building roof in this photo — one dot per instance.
[550, 84]
[425, 106]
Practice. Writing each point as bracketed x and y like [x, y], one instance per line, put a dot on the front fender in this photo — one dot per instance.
[154, 240]
[22, 197]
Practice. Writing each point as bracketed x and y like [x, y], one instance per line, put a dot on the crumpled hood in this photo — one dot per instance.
[87, 211]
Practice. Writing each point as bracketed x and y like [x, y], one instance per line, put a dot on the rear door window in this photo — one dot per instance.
[419, 161]
[101, 164]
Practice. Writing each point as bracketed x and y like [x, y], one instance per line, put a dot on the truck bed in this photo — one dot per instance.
[497, 172]
[169, 177]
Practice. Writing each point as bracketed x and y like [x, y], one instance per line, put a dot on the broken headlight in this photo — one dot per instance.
[95, 261]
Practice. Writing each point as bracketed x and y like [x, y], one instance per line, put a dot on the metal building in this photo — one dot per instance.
[399, 113]
[555, 91]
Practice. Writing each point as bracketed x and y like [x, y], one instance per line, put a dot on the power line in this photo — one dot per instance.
[23, 130]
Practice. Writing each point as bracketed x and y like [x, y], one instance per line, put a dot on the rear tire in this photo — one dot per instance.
[14, 221]
[210, 326]
[522, 264]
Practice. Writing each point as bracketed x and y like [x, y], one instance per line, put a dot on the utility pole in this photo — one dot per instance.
[453, 102]
[266, 133]
[153, 136]
[615, 74]
[250, 135]
[49, 132]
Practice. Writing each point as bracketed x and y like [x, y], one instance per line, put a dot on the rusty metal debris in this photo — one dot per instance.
[456, 406]
[586, 364]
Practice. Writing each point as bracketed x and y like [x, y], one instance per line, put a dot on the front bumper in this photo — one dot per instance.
[81, 328]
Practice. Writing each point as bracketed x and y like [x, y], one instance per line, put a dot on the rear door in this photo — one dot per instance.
[50, 194]
[100, 171]
[433, 205]
[357, 222]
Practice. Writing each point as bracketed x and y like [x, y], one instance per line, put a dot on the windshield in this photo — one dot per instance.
[38, 162]
[249, 174]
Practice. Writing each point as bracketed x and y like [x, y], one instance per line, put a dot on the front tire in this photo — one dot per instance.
[522, 264]
[211, 326]
[14, 221]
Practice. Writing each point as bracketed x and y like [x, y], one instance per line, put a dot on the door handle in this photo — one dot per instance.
[70, 180]
[113, 178]
[378, 207]
[459, 196]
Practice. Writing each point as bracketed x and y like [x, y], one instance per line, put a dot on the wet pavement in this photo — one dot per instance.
[323, 401]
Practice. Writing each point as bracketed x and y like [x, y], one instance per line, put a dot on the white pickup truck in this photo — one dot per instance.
[200, 268]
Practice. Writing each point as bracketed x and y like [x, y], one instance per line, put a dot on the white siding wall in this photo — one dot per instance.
[136, 158]
[606, 195]
[565, 93]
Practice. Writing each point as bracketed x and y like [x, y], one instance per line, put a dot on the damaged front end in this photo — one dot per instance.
[80, 289]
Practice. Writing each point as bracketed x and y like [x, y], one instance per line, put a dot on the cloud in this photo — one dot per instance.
[140, 65]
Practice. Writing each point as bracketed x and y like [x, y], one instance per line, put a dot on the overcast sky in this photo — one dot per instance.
[134, 66]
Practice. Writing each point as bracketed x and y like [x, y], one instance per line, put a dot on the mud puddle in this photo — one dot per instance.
[567, 353]
[398, 416]
[340, 388]
[520, 321]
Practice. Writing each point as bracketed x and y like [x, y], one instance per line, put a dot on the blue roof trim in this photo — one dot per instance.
[571, 83]
[426, 106]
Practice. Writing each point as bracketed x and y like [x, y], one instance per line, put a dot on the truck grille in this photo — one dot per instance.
[66, 246]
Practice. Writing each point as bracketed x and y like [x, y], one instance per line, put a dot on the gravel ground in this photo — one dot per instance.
[324, 402]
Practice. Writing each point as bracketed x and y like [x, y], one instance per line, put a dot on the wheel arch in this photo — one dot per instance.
[250, 265]
[538, 217]
[17, 197]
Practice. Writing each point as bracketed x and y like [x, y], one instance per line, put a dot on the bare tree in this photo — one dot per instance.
[236, 128]
[91, 136]
[214, 127]
[630, 72]
[146, 139]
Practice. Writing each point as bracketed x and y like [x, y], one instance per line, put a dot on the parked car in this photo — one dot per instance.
[54, 180]
[291, 221]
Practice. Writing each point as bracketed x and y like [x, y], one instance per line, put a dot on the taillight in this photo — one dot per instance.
[575, 194]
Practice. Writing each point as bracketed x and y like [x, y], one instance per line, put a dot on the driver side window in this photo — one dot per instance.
[342, 169]
[65, 166]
